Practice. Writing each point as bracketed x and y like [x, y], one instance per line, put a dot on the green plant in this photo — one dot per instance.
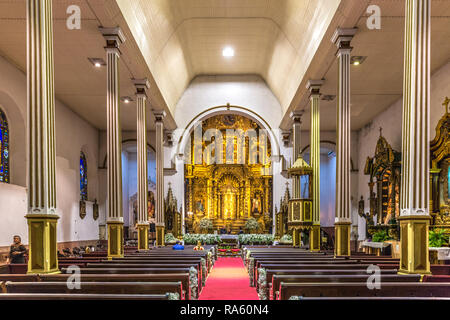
[169, 238]
[437, 238]
[380, 236]
[251, 224]
[205, 224]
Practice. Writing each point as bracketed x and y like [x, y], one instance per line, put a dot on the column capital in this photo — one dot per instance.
[314, 86]
[142, 85]
[168, 137]
[114, 37]
[159, 115]
[342, 37]
[286, 137]
[296, 116]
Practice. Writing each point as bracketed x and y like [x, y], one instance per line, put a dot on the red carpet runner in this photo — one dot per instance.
[228, 280]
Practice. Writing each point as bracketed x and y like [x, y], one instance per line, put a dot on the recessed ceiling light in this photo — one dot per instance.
[97, 62]
[357, 60]
[228, 52]
[126, 99]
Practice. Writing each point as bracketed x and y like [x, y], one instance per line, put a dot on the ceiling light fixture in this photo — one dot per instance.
[126, 99]
[97, 62]
[228, 52]
[357, 60]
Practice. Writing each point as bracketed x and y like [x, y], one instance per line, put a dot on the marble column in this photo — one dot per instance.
[342, 38]
[142, 86]
[296, 117]
[159, 125]
[42, 218]
[314, 236]
[114, 38]
[414, 191]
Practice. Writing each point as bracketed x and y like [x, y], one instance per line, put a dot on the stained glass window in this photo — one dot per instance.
[83, 177]
[4, 148]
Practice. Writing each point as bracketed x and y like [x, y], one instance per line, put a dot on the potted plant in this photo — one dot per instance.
[437, 238]
[205, 225]
[170, 239]
[251, 225]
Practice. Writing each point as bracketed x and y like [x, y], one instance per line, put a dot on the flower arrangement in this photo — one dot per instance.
[193, 238]
[251, 225]
[206, 225]
[256, 239]
[286, 239]
[169, 238]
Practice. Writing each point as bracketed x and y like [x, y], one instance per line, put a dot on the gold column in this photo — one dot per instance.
[314, 236]
[142, 193]
[414, 192]
[342, 38]
[159, 116]
[114, 38]
[41, 217]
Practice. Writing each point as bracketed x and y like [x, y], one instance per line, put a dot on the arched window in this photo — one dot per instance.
[83, 177]
[4, 148]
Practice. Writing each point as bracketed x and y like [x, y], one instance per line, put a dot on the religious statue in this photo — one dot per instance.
[151, 205]
[95, 210]
[82, 209]
[256, 205]
[200, 207]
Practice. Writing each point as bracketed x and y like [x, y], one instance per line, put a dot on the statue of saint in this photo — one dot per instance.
[256, 205]
[200, 207]
[151, 205]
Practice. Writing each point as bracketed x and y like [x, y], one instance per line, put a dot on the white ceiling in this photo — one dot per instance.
[181, 39]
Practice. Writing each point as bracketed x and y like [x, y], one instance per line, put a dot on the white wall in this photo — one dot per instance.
[390, 120]
[73, 134]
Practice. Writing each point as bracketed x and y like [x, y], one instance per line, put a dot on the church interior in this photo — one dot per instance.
[224, 150]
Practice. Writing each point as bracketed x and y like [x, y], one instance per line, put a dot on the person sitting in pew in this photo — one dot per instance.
[178, 246]
[16, 251]
[199, 246]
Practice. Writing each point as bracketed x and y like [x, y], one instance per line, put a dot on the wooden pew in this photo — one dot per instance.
[265, 285]
[385, 278]
[141, 271]
[174, 277]
[78, 296]
[388, 289]
[97, 287]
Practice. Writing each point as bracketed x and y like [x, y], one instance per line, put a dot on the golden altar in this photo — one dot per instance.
[228, 178]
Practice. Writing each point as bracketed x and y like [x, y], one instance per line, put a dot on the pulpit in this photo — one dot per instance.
[300, 205]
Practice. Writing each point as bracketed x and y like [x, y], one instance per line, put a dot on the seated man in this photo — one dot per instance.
[178, 246]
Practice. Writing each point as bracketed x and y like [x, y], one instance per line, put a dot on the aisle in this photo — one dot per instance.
[228, 281]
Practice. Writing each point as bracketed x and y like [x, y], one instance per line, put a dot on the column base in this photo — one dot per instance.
[296, 238]
[314, 238]
[115, 239]
[414, 255]
[342, 239]
[43, 253]
[143, 236]
[160, 236]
